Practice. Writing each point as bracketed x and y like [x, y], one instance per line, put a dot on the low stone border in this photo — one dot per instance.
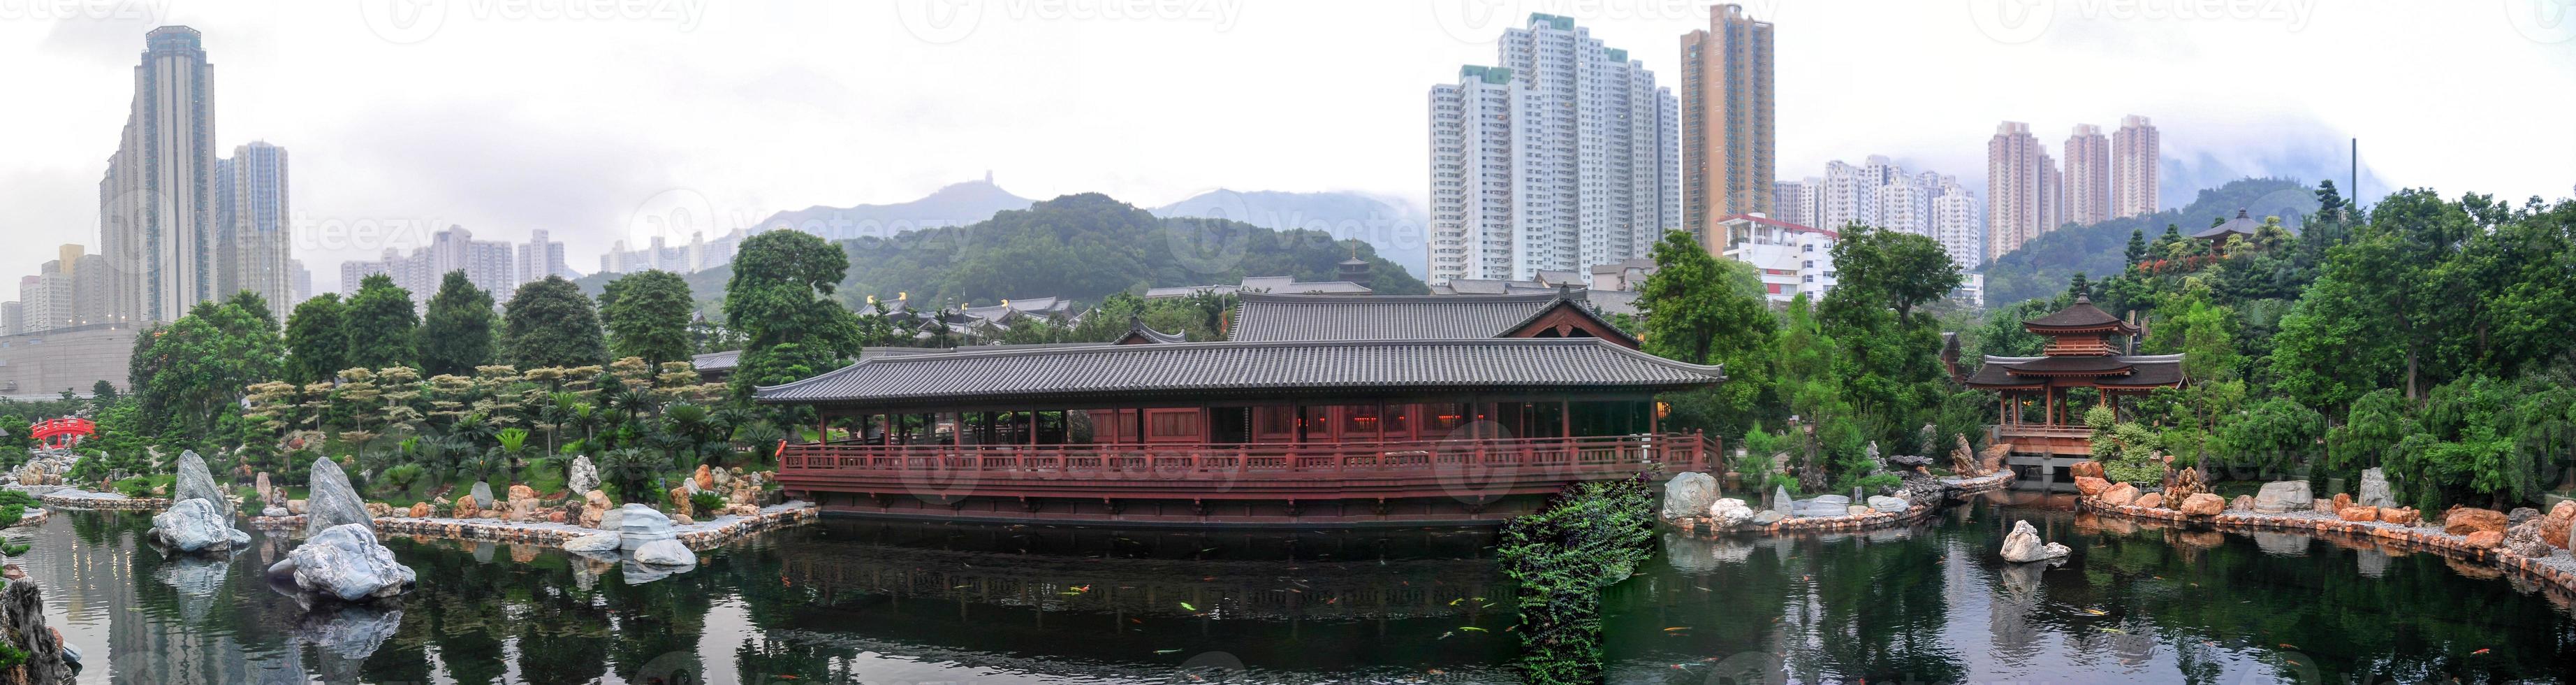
[1970, 486]
[1951, 487]
[2558, 570]
[102, 502]
[33, 517]
[698, 536]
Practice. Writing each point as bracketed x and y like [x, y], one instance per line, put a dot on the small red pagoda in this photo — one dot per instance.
[2080, 354]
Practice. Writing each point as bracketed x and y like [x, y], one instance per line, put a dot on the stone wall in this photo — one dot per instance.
[697, 536]
[2557, 573]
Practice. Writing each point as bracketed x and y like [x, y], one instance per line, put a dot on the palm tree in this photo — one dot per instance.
[480, 467]
[514, 442]
[631, 471]
[689, 424]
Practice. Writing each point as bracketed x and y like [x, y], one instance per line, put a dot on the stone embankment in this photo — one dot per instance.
[698, 535]
[2527, 543]
[1833, 513]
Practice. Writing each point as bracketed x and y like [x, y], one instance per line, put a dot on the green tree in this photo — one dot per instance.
[102, 391]
[647, 313]
[380, 326]
[549, 323]
[255, 305]
[204, 361]
[1703, 310]
[316, 344]
[2137, 251]
[456, 336]
[780, 298]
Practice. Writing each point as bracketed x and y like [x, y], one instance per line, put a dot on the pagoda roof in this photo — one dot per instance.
[2244, 224]
[1207, 370]
[2079, 317]
[2122, 371]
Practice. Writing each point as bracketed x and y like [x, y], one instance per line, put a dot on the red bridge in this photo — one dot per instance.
[61, 432]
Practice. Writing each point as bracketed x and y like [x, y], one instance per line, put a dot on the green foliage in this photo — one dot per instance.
[550, 324]
[184, 372]
[647, 315]
[2039, 270]
[316, 345]
[136, 486]
[379, 325]
[781, 300]
[1590, 536]
[2128, 452]
[10, 655]
[707, 503]
[2272, 437]
[456, 336]
[401, 477]
[1702, 310]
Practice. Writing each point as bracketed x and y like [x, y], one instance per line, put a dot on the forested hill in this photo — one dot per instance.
[1084, 247]
[2042, 266]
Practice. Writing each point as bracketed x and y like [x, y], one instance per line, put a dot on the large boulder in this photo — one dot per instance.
[2399, 515]
[2090, 486]
[332, 502]
[665, 553]
[1729, 512]
[1689, 494]
[2120, 495]
[2086, 468]
[638, 524]
[2374, 490]
[1892, 505]
[2284, 496]
[194, 525]
[2242, 503]
[1780, 502]
[594, 508]
[2152, 500]
[2471, 520]
[2524, 539]
[581, 476]
[2485, 539]
[22, 613]
[481, 496]
[523, 503]
[595, 542]
[195, 482]
[704, 479]
[2362, 514]
[346, 563]
[2203, 504]
[2023, 545]
[2554, 527]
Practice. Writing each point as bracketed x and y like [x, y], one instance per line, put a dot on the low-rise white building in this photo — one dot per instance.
[1791, 258]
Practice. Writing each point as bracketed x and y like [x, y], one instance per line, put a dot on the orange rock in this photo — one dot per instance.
[2486, 539]
[2554, 527]
[2358, 513]
[2085, 469]
[2120, 495]
[2091, 485]
[2342, 501]
[706, 478]
[2466, 520]
[2203, 504]
[2407, 516]
[2152, 500]
[420, 510]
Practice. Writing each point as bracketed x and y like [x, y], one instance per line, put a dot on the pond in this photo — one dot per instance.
[851, 601]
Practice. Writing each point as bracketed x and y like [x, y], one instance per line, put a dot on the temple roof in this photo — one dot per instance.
[1239, 368]
[1140, 334]
[2081, 315]
[1264, 317]
[2128, 371]
[2244, 224]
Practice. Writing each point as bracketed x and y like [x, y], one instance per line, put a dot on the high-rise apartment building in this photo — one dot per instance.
[251, 236]
[2135, 157]
[541, 257]
[2087, 194]
[2020, 189]
[1795, 201]
[488, 264]
[157, 202]
[299, 283]
[1557, 158]
[1958, 222]
[1727, 122]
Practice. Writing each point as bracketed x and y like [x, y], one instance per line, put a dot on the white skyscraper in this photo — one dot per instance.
[1561, 157]
[157, 201]
[251, 236]
[1959, 223]
[541, 257]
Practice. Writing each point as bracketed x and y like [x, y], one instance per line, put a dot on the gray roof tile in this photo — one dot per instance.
[1272, 318]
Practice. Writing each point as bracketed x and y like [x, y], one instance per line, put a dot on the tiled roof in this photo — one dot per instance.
[2082, 314]
[1262, 368]
[717, 361]
[1268, 317]
[2143, 370]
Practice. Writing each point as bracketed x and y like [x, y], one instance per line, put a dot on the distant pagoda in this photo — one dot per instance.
[2080, 354]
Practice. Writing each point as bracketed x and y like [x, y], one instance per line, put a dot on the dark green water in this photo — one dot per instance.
[898, 603]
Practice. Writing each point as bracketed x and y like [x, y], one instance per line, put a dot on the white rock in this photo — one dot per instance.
[1688, 494]
[2284, 496]
[582, 476]
[332, 501]
[2023, 545]
[1729, 512]
[1892, 505]
[665, 553]
[2374, 490]
[195, 482]
[595, 542]
[273, 512]
[346, 562]
[195, 525]
[638, 524]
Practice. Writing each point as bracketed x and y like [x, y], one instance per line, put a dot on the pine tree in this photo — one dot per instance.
[380, 328]
[316, 346]
[456, 336]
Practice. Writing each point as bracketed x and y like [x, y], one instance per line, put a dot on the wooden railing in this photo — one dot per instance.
[1237, 469]
[2043, 430]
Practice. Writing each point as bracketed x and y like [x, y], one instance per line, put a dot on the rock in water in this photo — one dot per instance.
[582, 476]
[1729, 512]
[595, 542]
[346, 562]
[1689, 494]
[2284, 496]
[1780, 502]
[193, 525]
[666, 553]
[195, 482]
[332, 502]
[2374, 490]
[638, 524]
[2203, 504]
[22, 609]
[2023, 546]
[2470, 521]
[352, 632]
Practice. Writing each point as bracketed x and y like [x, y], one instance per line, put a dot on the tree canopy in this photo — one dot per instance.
[456, 336]
[380, 325]
[647, 314]
[550, 323]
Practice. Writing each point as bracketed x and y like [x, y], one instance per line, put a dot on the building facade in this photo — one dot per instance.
[541, 257]
[488, 264]
[1959, 222]
[1559, 157]
[1728, 135]
[252, 236]
[1792, 259]
[2020, 189]
[157, 201]
[45, 363]
[2136, 154]
[2087, 192]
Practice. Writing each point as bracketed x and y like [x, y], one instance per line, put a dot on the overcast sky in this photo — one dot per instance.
[596, 119]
